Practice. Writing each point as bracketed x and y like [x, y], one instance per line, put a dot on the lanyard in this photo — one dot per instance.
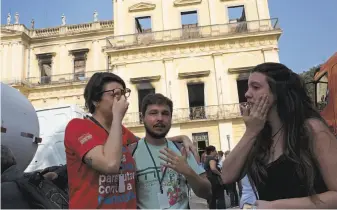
[97, 123]
[154, 163]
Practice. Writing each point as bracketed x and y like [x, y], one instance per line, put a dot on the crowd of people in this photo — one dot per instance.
[287, 157]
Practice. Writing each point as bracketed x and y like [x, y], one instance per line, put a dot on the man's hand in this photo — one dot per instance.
[174, 161]
[189, 147]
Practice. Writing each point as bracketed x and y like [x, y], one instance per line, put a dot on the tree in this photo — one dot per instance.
[308, 76]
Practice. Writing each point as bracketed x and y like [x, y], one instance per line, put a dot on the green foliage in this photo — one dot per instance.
[308, 76]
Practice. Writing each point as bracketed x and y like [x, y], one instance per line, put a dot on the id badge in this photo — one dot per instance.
[121, 183]
[163, 201]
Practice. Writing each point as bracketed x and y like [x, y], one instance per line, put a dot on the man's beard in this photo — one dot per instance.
[154, 134]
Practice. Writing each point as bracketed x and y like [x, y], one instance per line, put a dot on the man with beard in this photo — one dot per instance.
[163, 171]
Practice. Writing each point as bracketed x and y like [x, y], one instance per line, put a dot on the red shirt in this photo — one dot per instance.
[89, 189]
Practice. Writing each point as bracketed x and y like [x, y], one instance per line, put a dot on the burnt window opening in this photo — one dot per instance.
[189, 19]
[201, 140]
[189, 24]
[322, 92]
[242, 85]
[143, 90]
[143, 24]
[237, 19]
[196, 97]
[236, 14]
[80, 58]
[45, 66]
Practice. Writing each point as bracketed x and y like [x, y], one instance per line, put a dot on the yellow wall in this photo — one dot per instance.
[217, 57]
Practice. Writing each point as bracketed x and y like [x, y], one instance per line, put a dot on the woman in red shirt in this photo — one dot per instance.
[101, 170]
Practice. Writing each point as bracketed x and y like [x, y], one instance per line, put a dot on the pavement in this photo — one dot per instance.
[197, 203]
[200, 203]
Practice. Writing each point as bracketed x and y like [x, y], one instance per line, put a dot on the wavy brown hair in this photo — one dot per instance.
[294, 108]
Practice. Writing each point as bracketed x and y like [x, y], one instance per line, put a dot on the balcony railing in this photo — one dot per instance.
[190, 33]
[62, 78]
[62, 30]
[182, 115]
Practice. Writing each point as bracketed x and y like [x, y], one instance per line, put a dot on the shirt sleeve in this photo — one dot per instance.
[194, 165]
[81, 136]
[128, 137]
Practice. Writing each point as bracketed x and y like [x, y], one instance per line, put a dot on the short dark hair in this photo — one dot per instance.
[220, 153]
[95, 86]
[227, 152]
[210, 149]
[156, 98]
[7, 158]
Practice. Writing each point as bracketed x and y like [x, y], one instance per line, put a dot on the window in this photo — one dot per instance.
[242, 85]
[143, 24]
[202, 141]
[196, 96]
[79, 59]
[236, 14]
[141, 95]
[45, 66]
[189, 19]
[189, 24]
[237, 19]
[322, 92]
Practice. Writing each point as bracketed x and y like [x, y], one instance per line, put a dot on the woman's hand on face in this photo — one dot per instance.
[119, 108]
[255, 117]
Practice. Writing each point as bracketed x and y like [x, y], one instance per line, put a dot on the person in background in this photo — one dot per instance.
[101, 170]
[221, 158]
[231, 189]
[214, 176]
[247, 196]
[164, 169]
[203, 159]
[287, 149]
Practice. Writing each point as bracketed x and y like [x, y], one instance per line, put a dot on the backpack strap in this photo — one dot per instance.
[179, 147]
[132, 147]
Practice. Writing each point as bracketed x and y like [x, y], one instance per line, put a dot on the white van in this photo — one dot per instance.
[53, 121]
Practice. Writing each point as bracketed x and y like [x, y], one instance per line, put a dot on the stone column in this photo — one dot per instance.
[270, 54]
[119, 4]
[17, 61]
[172, 82]
[96, 54]
[212, 12]
[222, 82]
[63, 61]
[4, 62]
[167, 24]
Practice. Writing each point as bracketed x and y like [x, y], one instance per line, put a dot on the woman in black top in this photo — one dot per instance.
[287, 151]
[217, 201]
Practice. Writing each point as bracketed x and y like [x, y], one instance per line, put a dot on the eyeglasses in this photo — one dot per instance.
[119, 92]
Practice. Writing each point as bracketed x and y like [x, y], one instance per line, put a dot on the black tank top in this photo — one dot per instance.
[283, 182]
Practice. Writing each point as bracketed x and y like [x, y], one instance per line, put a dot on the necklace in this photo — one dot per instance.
[273, 147]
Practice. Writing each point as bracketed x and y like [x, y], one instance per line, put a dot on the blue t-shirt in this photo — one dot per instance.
[147, 183]
[248, 195]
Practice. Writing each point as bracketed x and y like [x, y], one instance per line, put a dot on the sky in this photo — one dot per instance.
[309, 29]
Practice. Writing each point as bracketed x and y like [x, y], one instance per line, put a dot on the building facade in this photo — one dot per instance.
[196, 52]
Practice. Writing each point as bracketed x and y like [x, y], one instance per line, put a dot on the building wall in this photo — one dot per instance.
[166, 15]
[217, 60]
